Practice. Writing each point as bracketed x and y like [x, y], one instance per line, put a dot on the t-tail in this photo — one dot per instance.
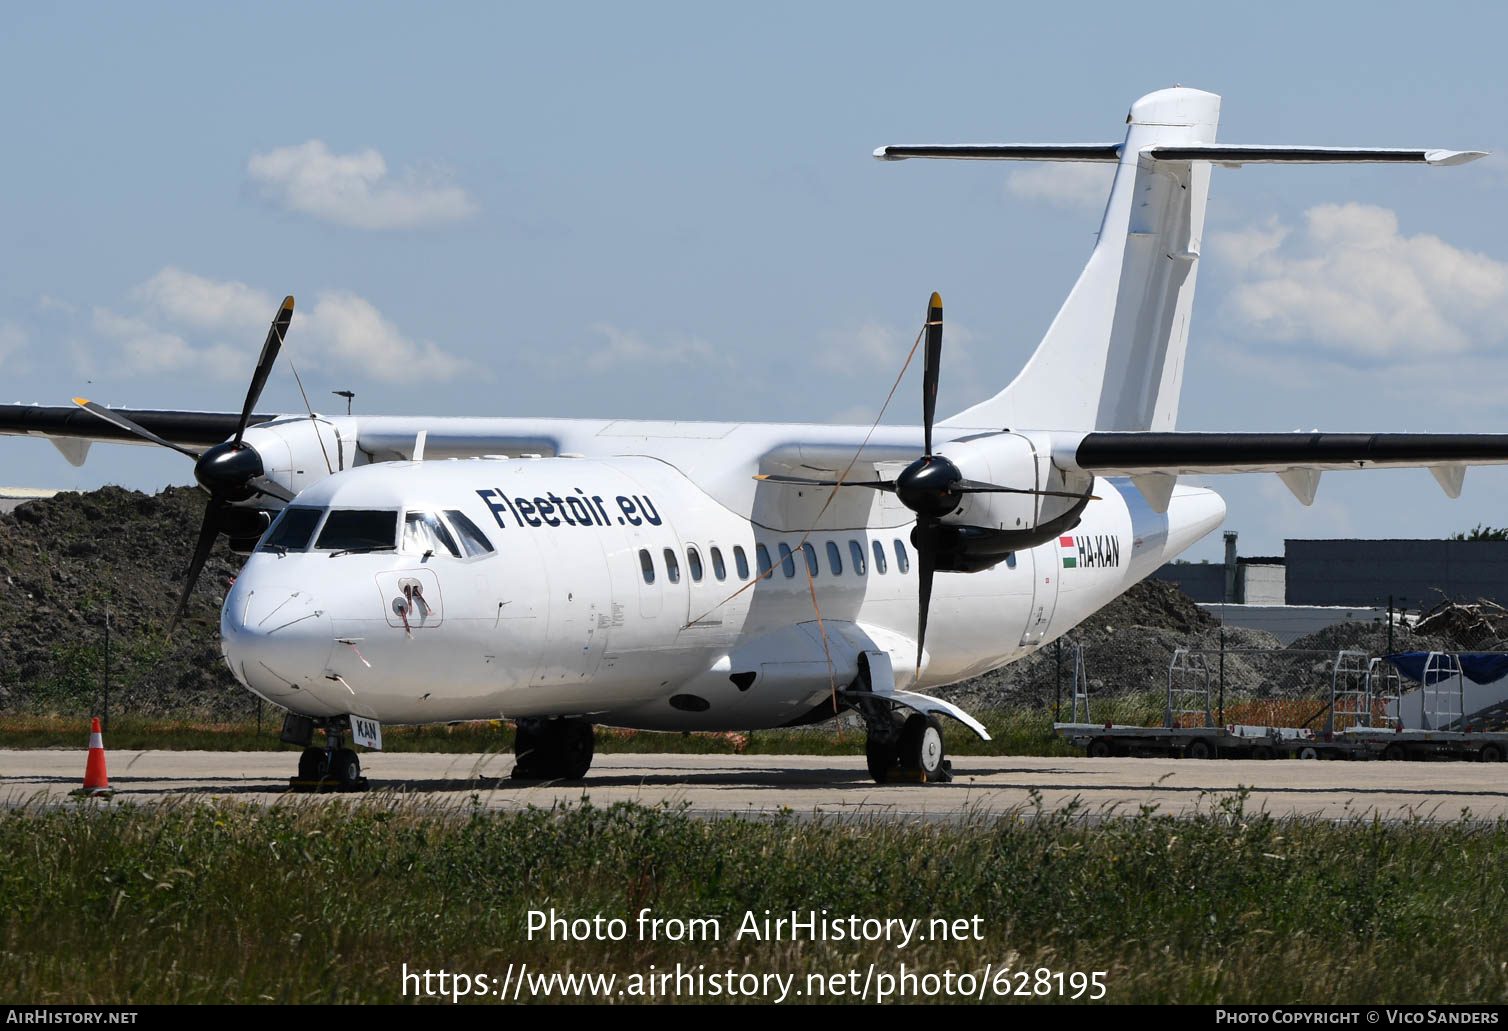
[1113, 357]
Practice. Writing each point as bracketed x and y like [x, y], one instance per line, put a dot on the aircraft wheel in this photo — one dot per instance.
[345, 767]
[313, 764]
[528, 751]
[881, 757]
[922, 746]
[572, 746]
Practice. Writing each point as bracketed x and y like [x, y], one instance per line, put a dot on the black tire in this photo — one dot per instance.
[1099, 748]
[922, 746]
[881, 757]
[1308, 752]
[1491, 754]
[313, 764]
[345, 768]
[1395, 752]
[572, 745]
[1201, 748]
[528, 751]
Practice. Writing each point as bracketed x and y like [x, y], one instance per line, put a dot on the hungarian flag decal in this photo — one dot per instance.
[1070, 554]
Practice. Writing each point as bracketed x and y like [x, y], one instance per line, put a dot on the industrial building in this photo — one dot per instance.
[1316, 583]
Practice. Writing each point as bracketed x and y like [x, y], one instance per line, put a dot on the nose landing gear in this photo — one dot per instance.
[334, 767]
[553, 749]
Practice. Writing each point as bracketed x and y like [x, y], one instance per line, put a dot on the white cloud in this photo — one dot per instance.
[1080, 185]
[350, 329]
[1351, 282]
[205, 303]
[622, 348]
[355, 189]
[188, 323]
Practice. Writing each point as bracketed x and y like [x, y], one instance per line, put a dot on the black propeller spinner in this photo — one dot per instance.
[229, 472]
[933, 487]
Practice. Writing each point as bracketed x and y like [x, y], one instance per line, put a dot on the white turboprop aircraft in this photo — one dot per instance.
[710, 576]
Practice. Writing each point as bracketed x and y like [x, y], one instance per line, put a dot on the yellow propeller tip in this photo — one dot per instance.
[936, 299]
[761, 476]
[81, 401]
[288, 302]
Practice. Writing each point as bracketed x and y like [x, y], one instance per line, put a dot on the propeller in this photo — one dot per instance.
[932, 486]
[231, 471]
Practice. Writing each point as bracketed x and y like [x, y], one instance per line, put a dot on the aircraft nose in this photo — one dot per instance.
[278, 639]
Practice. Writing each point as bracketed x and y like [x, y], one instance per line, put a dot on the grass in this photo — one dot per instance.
[327, 903]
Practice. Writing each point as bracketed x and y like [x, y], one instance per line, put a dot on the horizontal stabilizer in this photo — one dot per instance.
[1004, 152]
[1138, 454]
[1245, 154]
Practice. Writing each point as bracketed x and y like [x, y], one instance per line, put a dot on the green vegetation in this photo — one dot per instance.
[1482, 532]
[325, 903]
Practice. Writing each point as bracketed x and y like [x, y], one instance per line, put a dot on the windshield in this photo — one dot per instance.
[359, 530]
[424, 534]
[292, 529]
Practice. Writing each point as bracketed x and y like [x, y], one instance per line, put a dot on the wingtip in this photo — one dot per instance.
[1452, 157]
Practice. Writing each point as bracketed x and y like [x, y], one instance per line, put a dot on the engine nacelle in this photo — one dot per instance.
[987, 527]
[299, 452]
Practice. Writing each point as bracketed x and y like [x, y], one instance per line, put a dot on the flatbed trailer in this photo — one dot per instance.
[1361, 722]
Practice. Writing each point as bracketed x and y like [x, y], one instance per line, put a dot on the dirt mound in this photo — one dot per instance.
[64, 559]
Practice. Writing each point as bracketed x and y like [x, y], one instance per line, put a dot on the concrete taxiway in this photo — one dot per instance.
[837, 785]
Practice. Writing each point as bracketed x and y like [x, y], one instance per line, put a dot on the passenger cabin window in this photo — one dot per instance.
[856, 552]
[787, 563]
[879, 557]
[811, 558]
[741, 562]
[359, 530]
[424, 534]
[473, 541]
[672, 567]
[292, 529]
[762, 554]
[902, 562]
[834, 559]
[646, 566]
[719, 570]
[694, 563]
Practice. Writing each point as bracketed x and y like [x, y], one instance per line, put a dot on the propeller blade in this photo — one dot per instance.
[270, 348]
[874, 484]
[209, 530]
[932, 367]
[926, 565]
[975, 487]
[116, 419]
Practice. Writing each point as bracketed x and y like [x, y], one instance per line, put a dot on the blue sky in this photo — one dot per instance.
[664, 210]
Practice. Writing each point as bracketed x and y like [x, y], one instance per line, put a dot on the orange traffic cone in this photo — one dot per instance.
[96, 781]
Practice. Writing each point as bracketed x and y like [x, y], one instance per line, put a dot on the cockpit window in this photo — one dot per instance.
[424, 534]
[292, 529]
[473, 542]
[358, 530]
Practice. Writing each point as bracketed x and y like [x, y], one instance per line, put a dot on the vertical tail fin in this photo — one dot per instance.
[1113, 357]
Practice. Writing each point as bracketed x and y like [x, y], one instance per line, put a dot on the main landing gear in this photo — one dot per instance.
[903, 746]
[553, 749]
[335, 767]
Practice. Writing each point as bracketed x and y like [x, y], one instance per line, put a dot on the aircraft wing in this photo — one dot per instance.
[72, 429]
[1154, 460]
